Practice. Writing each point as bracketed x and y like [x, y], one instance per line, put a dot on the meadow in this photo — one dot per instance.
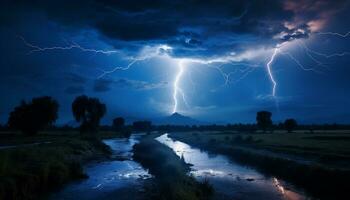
[320, 144]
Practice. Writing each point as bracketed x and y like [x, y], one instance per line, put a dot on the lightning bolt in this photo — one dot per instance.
[212, 63]
[104, 73]
[36, 48]
[176, 88]
[269, 70]
[324, 54]
[335, 34]
[297, 61]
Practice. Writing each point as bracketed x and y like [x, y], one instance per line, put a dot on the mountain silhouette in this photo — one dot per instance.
[178, 119]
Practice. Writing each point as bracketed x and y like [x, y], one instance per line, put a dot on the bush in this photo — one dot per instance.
[290, 125]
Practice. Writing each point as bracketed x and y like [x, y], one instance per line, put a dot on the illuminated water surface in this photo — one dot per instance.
[109, 179]
[231, 180]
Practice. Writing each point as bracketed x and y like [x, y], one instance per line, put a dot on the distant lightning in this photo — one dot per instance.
[69, 47]
[309, 52]
[104, 73]
[36, 48]
[312, 57]
[331, 55]
[335, 34]
[297, 61]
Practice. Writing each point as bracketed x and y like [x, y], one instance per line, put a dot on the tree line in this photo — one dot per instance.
[42, 112]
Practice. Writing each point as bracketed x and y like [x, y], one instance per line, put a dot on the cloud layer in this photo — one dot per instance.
[192, 28]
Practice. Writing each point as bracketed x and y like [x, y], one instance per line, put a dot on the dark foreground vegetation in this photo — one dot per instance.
[322, 173]
[32, 164]
[29, 172]
[171, 179]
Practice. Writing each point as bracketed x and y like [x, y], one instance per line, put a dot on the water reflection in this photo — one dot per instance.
[110, 178]
[287, 194]
[230, 180]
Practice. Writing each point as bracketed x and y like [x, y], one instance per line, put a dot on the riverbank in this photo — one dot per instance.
[29, 170]
[320, 180]
[109, 178]
[171, 180]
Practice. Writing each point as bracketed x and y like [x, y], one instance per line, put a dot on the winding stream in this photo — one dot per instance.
[109, 179]
[121, 178]
[231, 180]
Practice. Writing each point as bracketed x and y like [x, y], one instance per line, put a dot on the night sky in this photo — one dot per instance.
[211, 58]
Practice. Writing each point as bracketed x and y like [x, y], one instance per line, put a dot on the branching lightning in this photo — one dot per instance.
[118, 68]
[309, 52]
[69, 47]
[178, 92]
[325, 55]
[335, 34]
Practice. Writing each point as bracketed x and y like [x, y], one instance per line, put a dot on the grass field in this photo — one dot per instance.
[322, 144]
[17, 138]
[31, 166]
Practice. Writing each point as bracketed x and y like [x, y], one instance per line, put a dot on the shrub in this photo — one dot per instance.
[290, 125]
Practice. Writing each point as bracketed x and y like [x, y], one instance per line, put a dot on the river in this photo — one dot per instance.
[229, 179]
[119, 178]
[122, 178]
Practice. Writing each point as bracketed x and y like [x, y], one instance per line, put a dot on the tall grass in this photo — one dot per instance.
[170, 171]
[28, 172]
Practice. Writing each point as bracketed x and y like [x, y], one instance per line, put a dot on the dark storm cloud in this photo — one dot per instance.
[75, 78]
[189, 25]
[74, 90]
[104, 85]
[295, 34]
[139, 85]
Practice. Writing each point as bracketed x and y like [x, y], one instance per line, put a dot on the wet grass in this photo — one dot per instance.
[320, 144]
[17, 138]
[28, 172]
[172, 181]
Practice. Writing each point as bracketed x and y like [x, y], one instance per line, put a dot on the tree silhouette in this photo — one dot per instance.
[290, 125]
[118, 123]
[89, 112]
[31, 117]
[263, 119]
